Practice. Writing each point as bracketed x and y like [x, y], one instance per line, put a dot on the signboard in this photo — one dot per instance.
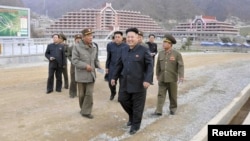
[14, 22]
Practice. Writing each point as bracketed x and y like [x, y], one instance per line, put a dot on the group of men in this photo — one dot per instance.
[129, 63]
[57, 53]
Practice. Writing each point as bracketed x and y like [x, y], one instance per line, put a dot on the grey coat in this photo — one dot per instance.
[83, 55]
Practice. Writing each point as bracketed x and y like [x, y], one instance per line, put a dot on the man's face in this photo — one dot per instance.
[151, 39]
[166, 46]
[88, 38]
[132, 39]
[118, 39]
[55, 39]
[77, 40]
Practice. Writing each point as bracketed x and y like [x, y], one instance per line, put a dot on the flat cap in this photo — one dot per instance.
[78, 36]
[63, 36]
[133, 29]
[87, 31]
[140, 33]
[169, 38]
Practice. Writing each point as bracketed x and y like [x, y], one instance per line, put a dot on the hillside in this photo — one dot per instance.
[162, 11]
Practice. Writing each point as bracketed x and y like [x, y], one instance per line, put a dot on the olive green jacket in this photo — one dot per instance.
[169, 66]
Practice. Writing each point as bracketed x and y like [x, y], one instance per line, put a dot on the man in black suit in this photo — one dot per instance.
[134, 68]
[113, 53]
[62, 39]
[152, 48]
[56, 56]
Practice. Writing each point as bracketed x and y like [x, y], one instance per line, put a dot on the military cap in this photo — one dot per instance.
[78, 36]
[133, 29]
[140, 33]
[169, 38]
[62, 36]
[87, 31]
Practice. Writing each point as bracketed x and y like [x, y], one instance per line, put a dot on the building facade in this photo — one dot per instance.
[204, 28]
[104, 22]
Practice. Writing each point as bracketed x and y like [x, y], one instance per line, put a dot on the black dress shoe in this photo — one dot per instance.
[129, 123]
[48, 92]
[157, 114]
[71, 96]
[133, 130]
[59, 91]
[111, 97]
[88, 116]
[172, 113]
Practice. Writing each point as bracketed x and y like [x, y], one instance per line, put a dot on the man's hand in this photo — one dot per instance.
[146, 85]
[52, 58]
[180, 80]
[112, 82]
[88, 68]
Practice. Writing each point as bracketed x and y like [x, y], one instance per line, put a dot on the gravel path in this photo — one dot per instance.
[212, 80]
[205, 92]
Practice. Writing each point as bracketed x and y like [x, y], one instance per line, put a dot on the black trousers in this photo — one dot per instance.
[133, 104]
[57, 71]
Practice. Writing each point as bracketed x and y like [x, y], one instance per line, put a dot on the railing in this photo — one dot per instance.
[35, 47]
[12, 48]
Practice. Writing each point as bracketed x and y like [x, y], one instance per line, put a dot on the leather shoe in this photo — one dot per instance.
[157, 114]
[172, 113]
[71, 96]
[59, 91]
[133, 130]
[111, 97]
[48, 92]
[129, 123]
[88, 116]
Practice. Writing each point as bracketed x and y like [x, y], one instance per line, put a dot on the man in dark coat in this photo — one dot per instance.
[152, 48]
[113, 53]
[62, 39]
[134, 69]
[56, 56]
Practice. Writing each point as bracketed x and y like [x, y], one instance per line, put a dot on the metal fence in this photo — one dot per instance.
[12, 48]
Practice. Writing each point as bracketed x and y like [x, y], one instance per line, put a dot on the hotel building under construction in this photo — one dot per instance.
[104, 22]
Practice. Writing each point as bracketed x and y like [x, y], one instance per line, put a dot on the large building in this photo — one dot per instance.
[204, 28]
[104, 22]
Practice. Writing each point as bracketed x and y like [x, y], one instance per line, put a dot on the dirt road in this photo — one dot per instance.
[28, 114]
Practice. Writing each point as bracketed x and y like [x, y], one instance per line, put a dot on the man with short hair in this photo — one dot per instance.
[56, 56]
[85, 59]
[152, 48]
[113, 53]
[134, 68]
